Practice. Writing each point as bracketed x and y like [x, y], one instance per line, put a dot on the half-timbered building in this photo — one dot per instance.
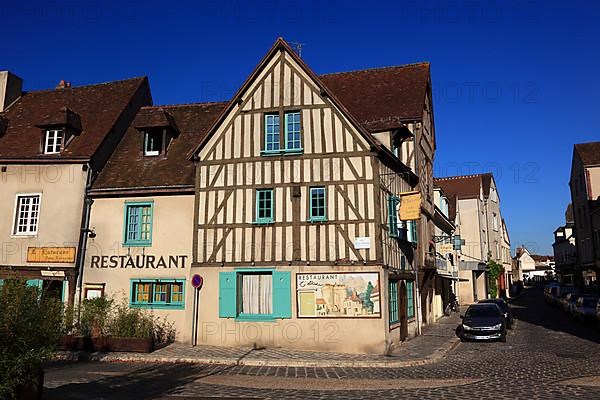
[297, 188]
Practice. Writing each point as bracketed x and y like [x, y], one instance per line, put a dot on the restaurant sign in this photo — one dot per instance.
[51, 254]
[138, 261]
[346, 295]
[410, 206]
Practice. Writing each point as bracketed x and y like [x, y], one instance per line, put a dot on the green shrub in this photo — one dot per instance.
[30, 327]
[130, 322]
[94, 317]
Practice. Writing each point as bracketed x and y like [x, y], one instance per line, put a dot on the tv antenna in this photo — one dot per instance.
[297, 46]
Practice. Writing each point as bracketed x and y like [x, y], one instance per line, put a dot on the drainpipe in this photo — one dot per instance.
[83, 235]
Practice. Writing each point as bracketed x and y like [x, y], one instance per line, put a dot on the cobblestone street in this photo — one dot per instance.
[546, 356]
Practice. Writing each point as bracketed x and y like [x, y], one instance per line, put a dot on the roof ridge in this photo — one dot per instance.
[410, 65]
[207, 103]
[456, 177]
[137, 78]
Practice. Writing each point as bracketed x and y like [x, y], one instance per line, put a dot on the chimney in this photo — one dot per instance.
[10, 89]
[63, 84]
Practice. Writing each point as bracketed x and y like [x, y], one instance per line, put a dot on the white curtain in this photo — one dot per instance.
[257, 294]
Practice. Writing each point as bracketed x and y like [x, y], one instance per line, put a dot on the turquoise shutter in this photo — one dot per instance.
[411, 229]
[227, 295]
[392, 219]
[35, 282]
[282, 294]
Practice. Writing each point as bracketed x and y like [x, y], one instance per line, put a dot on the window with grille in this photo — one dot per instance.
[157, 293]
[410, 300]
[272, 132]
[264, 205]
[27, 214]
[293, 141]
[138, 224]
[393, 302]
[53, 142]
[318, 205]
[393, 228]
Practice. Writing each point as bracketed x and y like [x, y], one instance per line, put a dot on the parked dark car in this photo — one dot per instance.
[504, 307]
[569, 302]
[483, 322]
[585, 308]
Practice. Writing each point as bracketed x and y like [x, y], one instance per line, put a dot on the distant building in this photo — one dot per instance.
[565, 251]
[585, 192]
[523, 264]
[475, 204]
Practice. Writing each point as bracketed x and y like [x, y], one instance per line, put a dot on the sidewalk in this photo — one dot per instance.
[436, 341]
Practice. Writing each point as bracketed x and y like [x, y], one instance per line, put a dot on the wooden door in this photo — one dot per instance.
[403, 312]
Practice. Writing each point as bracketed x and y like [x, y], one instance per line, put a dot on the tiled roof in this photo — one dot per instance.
[589, 153]
[463, 187]
[154, 117]
[382, 98]
[97, 106]
[128, 169]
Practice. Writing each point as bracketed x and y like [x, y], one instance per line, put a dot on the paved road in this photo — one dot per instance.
[547, 356]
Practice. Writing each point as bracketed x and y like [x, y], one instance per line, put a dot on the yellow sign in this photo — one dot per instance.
[410, 206]
[51, 254]
[446, 248]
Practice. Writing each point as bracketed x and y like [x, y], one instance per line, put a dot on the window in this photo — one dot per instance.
[264, 206]
[53, 142]
[410, 300]
[293, 141]
[138, 224]
[272, 133]
[153, 143]
[156, 293]
[411, 231]
[317, 204]
[27, 214]
[292, 138]
[495, 222]
[255, 294]
[393, 302]
[393, 229]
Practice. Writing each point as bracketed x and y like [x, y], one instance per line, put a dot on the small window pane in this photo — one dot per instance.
[272, 132]
[153, 143]
[293, 139]
[256, 294]
[264, 205]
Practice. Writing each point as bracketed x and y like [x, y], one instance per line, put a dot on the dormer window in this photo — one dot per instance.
[59, 128]
[54, 141]
[153, 142]
[157, 129]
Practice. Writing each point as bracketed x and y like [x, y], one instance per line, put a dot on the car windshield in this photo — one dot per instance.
[503, 306]
[482, 312]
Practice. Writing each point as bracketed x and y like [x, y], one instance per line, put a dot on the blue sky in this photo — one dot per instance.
[516, 83]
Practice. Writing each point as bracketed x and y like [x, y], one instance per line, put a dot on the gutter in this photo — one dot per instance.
[83, 234]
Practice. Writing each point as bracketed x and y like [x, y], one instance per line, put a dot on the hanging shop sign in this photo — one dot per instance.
[410, 206]
[51, 254]
[345, 295]
[138, 261]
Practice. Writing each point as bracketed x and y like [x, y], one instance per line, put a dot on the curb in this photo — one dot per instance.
[438, 355]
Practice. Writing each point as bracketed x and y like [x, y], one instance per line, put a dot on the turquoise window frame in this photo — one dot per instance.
[393, 223]
[273, 138]
[137, 242]
[253, 317]
[410, 300]
[411, 232]
[290, 129]
[271, 218]
[393, 303]
[179, 305]
[312, 216]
